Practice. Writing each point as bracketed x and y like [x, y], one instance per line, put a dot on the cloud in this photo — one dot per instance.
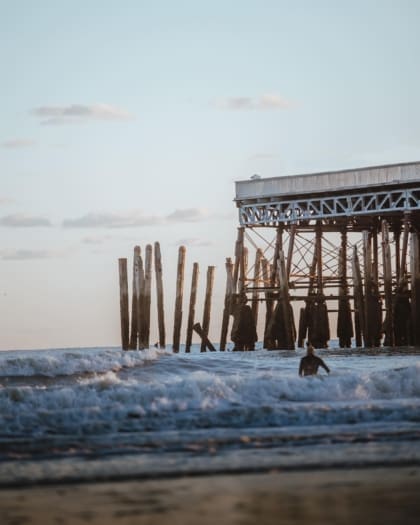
[187, 215]
[264, 102]
[18, 143]
[136, 218]
[112, 220]
[192, 241]
[76, 113]
[19, 220]
[24, 255]
[4, 201]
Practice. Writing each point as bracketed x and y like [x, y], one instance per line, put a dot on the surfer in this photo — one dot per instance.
[310, 363]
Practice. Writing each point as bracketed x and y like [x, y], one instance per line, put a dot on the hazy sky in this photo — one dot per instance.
[127, 122]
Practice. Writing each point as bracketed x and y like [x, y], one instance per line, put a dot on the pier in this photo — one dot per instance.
[335, 249]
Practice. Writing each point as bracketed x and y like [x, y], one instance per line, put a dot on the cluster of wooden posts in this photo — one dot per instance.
[135, 332]
[378, 301]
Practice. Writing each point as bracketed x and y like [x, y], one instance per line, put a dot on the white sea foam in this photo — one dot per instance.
[51, 363]
[196, 392]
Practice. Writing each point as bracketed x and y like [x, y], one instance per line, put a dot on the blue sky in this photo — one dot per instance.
[127, 122]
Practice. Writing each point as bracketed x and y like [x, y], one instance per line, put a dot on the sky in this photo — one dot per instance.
[127, 122]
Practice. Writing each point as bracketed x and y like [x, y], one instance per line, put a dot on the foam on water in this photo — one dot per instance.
[62, 401]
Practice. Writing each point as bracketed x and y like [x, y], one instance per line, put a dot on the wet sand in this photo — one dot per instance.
[356, 497]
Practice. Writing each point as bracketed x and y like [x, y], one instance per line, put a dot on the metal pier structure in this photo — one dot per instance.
[340, 246]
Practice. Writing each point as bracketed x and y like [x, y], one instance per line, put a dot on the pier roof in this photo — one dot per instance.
[328, 181]
[391, 189]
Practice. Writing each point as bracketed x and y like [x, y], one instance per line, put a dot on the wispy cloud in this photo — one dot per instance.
[18, 143]
[5, 201]
[112, 220]
[264, 102]
[193, 241]
[78, 113]
[136, 218]
[19, 220]
[188, 215]
[24, 255]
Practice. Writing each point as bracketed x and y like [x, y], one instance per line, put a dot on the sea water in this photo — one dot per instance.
[104, 413]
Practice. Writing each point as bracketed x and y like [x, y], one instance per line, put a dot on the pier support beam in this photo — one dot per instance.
[344, 321]
[415, 287]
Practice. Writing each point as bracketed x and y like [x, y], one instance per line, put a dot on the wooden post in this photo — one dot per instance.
[178, 299]
[278, 247]
[197, 328]
[318, 251]
[227, 309]
[290, 249]
[238, 257]
[358, 298]
[191, 311]
[125, 323]
[135, 300]
[207, 305]
[147, 295]
[159, 296]
[367, 265]
[268, 302]
[140, 303]
[387, 269]
[288, 324]
[415, 287]
[256, 282]
[243, 267]
[403, 264]
[375, 264]
[344, 321]
[397, 236]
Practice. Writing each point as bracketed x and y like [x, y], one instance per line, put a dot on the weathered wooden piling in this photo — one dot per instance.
[344, 321]
[387, 277]
[415, 286]
[207, 305]
[358, 298]
[227, 308]
[135, 300]
[124, 315]
[197, 328]
[267, 343]
[140, 302]
[401, 302]
[144, 341]
[373, 306]
[238, 258]
[159, 296]
[255, 283]
[178, 299]
[290, 249]
[191, 311]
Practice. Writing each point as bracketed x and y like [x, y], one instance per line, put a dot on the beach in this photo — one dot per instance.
[342, 496]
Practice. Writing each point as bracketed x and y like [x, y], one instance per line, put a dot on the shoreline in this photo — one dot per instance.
[373, 495]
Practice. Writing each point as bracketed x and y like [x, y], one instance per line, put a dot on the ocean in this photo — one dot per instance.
[78, 414]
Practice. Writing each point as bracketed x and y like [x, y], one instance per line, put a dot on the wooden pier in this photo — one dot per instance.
[335, 254]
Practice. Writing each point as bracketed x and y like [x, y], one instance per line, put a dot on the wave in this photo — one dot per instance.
[54, 363]
[117, 402]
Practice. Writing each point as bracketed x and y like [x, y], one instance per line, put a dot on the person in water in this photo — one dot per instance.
[310, 363]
